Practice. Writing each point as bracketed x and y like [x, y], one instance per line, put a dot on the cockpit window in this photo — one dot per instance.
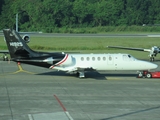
[128, 58]
[131, 57]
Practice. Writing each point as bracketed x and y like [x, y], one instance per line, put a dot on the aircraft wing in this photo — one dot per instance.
[4, 51]
[129, 48]
[72, 68]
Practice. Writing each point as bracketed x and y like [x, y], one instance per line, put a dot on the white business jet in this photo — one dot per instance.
[71, 63]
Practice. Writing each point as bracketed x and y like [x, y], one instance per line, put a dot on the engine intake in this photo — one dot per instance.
[26, 38]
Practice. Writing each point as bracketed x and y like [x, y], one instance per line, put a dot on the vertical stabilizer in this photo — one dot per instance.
[16, 45]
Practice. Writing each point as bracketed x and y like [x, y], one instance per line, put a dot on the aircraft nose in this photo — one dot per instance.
[151, 65]
[155, 66]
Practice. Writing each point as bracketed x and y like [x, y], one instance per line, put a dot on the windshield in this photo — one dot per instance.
[128, 57]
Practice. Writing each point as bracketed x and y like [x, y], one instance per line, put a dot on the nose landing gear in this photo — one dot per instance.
[143, 74]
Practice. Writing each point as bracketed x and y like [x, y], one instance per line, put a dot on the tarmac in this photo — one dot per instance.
[33, 93]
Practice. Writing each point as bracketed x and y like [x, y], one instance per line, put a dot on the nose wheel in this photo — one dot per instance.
[145, 74]
[140, 75]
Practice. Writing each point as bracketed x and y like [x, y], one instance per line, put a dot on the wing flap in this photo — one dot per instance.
[4, 51]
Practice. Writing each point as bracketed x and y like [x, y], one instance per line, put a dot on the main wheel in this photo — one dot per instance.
[148, 75]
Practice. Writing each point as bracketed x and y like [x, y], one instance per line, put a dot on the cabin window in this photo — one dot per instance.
[110, 58]
[93, 58]
[82, 58]
[98, 58]
[87, 58]
[104, 58]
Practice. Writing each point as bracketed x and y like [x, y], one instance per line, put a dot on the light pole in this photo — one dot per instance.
[17, 22]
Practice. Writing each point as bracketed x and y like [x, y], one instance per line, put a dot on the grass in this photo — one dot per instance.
[90, 44]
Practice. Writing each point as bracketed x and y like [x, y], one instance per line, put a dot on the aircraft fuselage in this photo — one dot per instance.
[104, 62]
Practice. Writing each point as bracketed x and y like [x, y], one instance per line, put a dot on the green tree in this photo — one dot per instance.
[48, 15]
[154, 12]
[1, 4]
[82, 12]
[7, 15]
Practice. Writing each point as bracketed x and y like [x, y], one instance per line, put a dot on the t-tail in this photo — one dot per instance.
[16, 45]
[20, 52]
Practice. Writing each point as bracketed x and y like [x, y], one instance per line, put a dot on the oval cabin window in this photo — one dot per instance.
[110, 58]
[82, 58]
[93, 58]
[99, 58]
[87, 58]
[104, 58]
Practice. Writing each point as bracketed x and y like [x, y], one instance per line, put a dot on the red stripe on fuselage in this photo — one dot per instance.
[62, 61]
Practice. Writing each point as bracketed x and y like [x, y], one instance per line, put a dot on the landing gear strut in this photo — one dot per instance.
[143, 74]
[81, 74]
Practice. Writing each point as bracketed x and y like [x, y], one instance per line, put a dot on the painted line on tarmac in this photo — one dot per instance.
[21, 70]
[64, 109]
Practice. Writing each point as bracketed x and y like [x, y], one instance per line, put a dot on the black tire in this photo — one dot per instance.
[148, 75]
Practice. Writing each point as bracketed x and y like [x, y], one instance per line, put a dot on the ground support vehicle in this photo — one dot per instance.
[147, 74]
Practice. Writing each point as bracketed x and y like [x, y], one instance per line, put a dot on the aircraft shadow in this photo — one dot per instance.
[132, 113]
[92, 75]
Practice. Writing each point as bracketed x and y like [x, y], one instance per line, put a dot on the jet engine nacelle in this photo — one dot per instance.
[26, 38]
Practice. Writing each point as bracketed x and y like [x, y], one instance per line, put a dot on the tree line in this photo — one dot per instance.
[49, 15]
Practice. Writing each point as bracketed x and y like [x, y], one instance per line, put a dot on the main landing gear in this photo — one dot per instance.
[81, 74]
